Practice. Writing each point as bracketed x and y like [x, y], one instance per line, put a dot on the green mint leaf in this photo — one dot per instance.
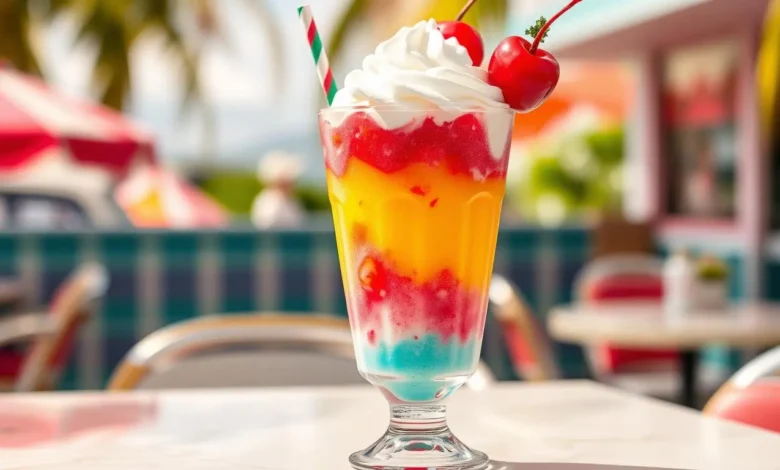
[532, 31]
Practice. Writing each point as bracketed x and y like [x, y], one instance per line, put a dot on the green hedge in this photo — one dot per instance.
[572, 177]
[236, 190]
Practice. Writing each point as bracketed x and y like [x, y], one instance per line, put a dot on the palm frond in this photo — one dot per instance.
[112, 64]
[158, 17]
[483, 11]
[407, 12]
[16, 44]
[55, 7]
[270, 26]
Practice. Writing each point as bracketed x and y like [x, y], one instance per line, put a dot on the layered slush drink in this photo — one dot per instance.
[416, 147]
[416, 210]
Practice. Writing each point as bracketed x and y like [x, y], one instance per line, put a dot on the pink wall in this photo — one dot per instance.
[645, 151]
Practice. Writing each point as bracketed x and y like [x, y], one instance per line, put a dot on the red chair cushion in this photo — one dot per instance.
[757, 405]
[627, 287]
[10, 364]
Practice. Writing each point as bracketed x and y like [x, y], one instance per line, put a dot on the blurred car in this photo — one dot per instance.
[63, 204]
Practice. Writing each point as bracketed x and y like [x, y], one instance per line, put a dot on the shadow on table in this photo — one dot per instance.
[496, 465]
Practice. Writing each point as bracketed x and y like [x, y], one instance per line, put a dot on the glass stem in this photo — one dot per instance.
[416, 419]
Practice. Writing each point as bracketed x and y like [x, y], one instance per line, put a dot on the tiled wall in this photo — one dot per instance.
[158, 278]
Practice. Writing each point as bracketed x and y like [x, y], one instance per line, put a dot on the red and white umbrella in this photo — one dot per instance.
[38, 125]
[153, 197]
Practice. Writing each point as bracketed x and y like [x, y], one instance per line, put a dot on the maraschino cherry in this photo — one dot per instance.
[466, 35]
[524, 73]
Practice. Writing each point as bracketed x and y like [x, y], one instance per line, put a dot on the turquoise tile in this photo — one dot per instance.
[736, 277]
[120, 250]
[571, 241]
[772, 279]
[9, 252]
[179, 249]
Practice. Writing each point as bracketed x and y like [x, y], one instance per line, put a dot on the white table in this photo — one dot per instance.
[638, 325]
[555, 423]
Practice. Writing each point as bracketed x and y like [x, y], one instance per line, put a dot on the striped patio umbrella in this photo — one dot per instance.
[153, 197]
[37, 123]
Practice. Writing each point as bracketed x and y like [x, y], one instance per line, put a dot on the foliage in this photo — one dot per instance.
[313, 198]
[710, 268]
[532, 31]
[572, 179]
[385, 17]
[16, 43]
[113, 28]
[236, 191]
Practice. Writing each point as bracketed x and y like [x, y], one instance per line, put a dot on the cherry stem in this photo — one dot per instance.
[540, 34]
[465, 9]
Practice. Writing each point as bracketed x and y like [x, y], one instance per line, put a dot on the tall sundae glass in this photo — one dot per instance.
[416, 147]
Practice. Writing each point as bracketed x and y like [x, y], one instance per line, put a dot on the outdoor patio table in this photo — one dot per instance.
[642, 325]
[551, 426]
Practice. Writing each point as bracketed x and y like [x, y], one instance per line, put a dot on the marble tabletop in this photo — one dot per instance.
[640, 324]
[554, 426]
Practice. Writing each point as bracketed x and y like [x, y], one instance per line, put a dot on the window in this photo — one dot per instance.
[699, 120]
[39, 212]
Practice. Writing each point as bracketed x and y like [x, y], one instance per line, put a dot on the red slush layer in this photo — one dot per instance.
[440, 306]
[462, 145]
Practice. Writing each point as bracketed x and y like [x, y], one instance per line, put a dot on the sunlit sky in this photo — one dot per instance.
[237, 78]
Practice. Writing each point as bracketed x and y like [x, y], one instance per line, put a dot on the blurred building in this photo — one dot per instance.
[695, 165]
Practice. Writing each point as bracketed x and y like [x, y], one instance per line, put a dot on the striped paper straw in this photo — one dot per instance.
[317, 51]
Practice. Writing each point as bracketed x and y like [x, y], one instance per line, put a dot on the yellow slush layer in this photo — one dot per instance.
[453, 225]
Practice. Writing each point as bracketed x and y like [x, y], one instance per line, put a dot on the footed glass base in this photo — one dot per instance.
[418, 438]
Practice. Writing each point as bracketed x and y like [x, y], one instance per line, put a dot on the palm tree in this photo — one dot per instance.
[385, 17]
[114, 27]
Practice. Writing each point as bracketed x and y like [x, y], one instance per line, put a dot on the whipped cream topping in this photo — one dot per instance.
[418, 66]
[418, 70]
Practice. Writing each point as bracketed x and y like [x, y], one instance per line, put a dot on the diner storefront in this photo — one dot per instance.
[696, 164]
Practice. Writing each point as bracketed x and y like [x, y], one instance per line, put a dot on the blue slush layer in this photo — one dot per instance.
[412, 366]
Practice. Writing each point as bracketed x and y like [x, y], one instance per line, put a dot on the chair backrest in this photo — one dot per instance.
[71, 307]
[636, 277]
[244, 350]
[532, 353]
[620, 277]
[752, 395]
[614, 235]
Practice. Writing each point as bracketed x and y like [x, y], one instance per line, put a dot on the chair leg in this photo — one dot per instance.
[689, 368]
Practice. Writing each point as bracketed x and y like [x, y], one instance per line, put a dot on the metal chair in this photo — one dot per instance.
[623, 278]
[247, 350]
[52, 335]
[531, 352]
[752, 395]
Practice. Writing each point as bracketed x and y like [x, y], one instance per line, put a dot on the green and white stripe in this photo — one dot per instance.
[318, 52]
